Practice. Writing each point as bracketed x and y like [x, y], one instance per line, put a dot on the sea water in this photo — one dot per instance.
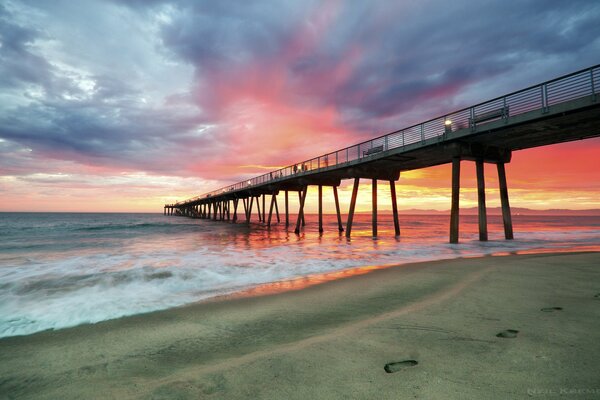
[64, 269]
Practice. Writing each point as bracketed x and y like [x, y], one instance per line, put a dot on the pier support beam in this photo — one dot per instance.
[287, 210]
[300, 199]
[337, 209]
[506, 217]
[455, 200]
[301, 210]
[482, 212]
[394, 207]
[352, 207]
[264, 197]
[258, 209]
[251, 200]
[320, 209]
[277, 209]
[235, 206]
[273, 200]
[374, 206]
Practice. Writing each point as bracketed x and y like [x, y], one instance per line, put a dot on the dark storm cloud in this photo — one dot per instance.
[423, 51]
[374, 62]
[18, 64]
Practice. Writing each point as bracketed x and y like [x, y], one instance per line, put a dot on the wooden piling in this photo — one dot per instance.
[482, 212]
[395, 208]
[301, 210]
[506, 217]
[352, 207]
[455, 200]
[263, 207]
[337, 209]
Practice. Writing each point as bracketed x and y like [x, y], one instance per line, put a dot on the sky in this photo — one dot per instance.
[128, 105]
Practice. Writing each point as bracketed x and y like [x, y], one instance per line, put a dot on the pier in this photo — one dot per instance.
[560, 110]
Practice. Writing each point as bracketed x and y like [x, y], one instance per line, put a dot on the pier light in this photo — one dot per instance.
[448, 125]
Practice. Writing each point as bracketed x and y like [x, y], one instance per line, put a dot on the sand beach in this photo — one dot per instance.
[426, 330]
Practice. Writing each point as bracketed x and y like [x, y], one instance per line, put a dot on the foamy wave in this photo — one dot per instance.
[69, 291]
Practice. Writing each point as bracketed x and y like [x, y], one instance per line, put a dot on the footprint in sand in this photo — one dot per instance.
[551, 309]
[508, 334]
[399, 365]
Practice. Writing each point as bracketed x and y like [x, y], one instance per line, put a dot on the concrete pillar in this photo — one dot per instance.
[506, 217]
[455, 200]
[320, 209]
[395, 207]
[258, 208]
[301, 210]
[249, 216]
[300, 199]
[337, 209]
[482, 212]
[374, 206]
[277, 209]
[352, 207]
[235, 206]
[287, 210]
[271, 209]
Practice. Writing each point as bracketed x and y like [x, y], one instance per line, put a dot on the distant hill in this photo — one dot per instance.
[514, 211]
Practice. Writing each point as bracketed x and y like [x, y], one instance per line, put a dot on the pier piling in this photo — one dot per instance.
[455, 200]
[301, 210]
[320, 209]
[506, 217]
[394, 207]
[352, 207]
[481, 209]
[374, 206]
[337, 209]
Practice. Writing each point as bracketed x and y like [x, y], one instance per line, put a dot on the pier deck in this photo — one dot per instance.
[560, 110]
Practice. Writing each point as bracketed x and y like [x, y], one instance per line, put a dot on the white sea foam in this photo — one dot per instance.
[155, 273]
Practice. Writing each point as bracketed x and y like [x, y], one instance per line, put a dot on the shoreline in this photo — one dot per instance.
[341, 329]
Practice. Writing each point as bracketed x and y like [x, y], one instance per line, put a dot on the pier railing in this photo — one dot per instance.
[538, 97]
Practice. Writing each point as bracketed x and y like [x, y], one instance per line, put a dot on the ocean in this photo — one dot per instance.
[64, 269]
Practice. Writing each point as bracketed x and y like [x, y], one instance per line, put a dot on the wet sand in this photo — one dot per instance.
[524, 326]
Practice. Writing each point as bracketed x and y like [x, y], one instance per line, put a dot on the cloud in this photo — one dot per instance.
[206, 88]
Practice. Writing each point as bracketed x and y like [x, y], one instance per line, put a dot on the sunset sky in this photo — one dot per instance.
[127, 105]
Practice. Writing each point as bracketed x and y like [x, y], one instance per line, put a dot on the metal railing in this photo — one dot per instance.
[538, 97]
